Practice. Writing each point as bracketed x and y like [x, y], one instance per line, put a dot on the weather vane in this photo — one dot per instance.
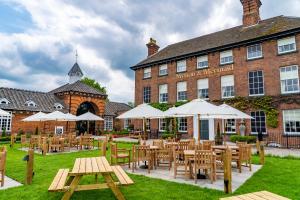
[76, 55]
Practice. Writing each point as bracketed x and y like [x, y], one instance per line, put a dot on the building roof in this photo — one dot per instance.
[273, 27]
[78, 86]
[75, 70]
[115, 108]
[17, 98]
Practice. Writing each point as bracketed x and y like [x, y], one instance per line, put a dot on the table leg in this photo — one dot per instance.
[72, 188]
[111, 184]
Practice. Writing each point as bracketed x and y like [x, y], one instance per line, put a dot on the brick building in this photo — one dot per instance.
[74, 97]
[244, 65]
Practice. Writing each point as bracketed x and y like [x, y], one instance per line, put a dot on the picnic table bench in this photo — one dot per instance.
[262, 195]
[68, 181]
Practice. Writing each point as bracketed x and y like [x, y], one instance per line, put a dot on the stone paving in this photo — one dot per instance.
[9, 183]
[67, 150]
[163, 173]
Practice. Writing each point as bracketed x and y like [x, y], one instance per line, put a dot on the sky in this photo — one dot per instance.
[38, 39]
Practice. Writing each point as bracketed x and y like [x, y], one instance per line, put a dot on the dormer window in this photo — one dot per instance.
[4, 101]
[30, 103]
[58, 106]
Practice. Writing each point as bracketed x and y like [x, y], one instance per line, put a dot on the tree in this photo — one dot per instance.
[131, 104]
[93, 83]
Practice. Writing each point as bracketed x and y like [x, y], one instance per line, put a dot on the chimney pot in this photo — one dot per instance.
[152, 47]
[251, 14]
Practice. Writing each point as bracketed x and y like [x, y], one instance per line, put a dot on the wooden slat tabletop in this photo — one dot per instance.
[263, 195]
[94, 165]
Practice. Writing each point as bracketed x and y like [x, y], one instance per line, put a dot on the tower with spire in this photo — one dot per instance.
[75, 73]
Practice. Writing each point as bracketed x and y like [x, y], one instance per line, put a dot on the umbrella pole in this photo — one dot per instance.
[144, 128]
[199, 128]
[225, 126]
[88, 127]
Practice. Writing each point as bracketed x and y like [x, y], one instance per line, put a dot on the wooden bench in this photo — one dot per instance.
[59, 181]
[263, 195]
[121, 175]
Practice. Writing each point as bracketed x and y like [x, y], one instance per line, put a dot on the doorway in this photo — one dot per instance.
[204, 129]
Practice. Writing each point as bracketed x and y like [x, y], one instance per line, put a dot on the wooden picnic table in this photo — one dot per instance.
[224, 147]
[89, 166]
[263, 195]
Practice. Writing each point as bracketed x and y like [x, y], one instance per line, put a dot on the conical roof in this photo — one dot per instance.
[75, 70]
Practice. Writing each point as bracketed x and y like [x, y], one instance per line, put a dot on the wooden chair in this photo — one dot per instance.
[203, 160]
[240, 143]
[102, 146]
[164, 156]
[56, 144]
[119, 153]
[142, 153]
[170, 139]
[158, 143]
[2, 166]
[183, 145]
[86, 141]
[207, 144]
[24, 141]
[243, 155]
[35, 141]
[73, 142]
[178, 160]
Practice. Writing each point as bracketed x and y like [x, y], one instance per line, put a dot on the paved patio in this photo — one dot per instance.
[163, 173]
[67, 150]
[9, 183]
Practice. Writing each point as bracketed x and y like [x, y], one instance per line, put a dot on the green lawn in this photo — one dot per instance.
[281, 176]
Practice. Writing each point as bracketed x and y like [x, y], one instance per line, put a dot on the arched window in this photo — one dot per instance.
[30, 103]
[4, 101]
[58, 106]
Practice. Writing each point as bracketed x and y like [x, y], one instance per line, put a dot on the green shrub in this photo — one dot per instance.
[167, 135]
[238, 138]
[3, 132]
[7, 139]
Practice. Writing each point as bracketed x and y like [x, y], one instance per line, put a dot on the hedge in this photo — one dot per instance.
[238, 138]
[7, 139]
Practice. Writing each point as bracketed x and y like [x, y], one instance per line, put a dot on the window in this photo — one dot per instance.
[230, 126]
[162, 125]
[227, 84]
[256, 83]
[163, 93]
[289, 79]
[147, 72]
[258, 123]
[5, 122]
[147, 94]
[226, 57]
[59, 130]
[254, 51]
[163, 70]
[108, 123]
[202, 85]
[4, 101]
[286, 45]
[181, 91]
[126, 123]
[291, 121]
[148, 124]
[181, 66]
[202, 62]
[58, 106]
[30, 103]
[182, 124]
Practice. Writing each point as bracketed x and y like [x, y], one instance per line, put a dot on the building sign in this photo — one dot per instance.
[205, 72]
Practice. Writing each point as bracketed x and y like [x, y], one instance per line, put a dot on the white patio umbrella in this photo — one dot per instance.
[37, 117]
[142, 111]
[55, 116]
[202, 109]
[4, 113]
[88, 116]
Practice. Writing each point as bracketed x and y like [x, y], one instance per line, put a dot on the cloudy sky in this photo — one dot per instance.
[38, 39]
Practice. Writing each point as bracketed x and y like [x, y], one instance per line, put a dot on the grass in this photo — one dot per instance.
[279, 175]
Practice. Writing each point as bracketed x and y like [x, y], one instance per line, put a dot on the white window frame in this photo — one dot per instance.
[126, 123]
[202, 59]
[4, 101]
[224, 55]
[179, 128]
[108, 123]
[30, 103]
[160, 121]
[223, 86]
[163, 87]
[163, 68]
[59, 130]
[255, 133]
[286, 42]
[263, 82]
[8, 122]
[181, 66]
[147, 72]
[203, 84]
[148, 87]
[257, 56]
[284, 115]
[180, 90]
[58, 106]
[226, 123]
[282, 79]
[148, 124]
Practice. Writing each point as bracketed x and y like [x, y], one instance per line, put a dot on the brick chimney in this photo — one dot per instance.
[152, 47]
[251, 12]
